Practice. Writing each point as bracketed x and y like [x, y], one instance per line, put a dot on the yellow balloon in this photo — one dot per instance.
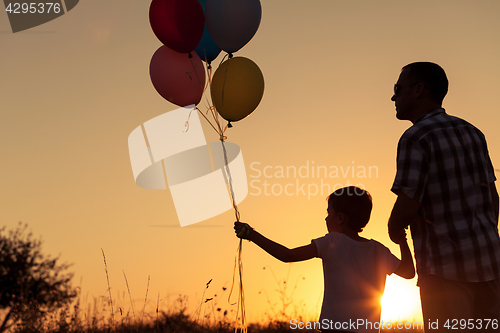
[237, 88]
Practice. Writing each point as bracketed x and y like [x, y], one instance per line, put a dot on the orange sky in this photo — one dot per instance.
[73, 89]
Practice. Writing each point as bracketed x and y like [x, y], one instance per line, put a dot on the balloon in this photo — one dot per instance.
[232, 23]
[177, 78]
[237, 88]
[177, 23]
[207, 49]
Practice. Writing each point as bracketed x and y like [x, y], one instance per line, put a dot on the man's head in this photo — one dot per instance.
[421, 87]
[352, 204]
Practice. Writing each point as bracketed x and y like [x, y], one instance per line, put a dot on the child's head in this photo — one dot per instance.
[354, 203]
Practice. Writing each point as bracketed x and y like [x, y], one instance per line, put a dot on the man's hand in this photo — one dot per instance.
[242, 230]
[396, 233]
[398, 237]
[406, 268]
[405, 211]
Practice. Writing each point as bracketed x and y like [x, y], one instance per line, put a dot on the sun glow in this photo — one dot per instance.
[401, 300]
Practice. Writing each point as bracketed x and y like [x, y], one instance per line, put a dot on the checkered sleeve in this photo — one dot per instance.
[412, 169]
[491, 171]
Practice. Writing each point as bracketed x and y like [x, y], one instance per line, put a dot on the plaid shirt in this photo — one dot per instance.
[443, 163]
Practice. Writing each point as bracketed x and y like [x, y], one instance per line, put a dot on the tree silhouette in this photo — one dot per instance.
[32, 284]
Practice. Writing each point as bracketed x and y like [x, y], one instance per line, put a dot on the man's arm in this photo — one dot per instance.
[494, 197]
[278, 251]
[404, 212]
[406, 268]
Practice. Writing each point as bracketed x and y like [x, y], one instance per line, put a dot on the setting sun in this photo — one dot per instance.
[401, 300]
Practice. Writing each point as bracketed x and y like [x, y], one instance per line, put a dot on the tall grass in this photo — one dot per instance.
[95, 317]
[98, 315]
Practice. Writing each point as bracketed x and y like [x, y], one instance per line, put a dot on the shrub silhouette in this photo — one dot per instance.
[32, 285]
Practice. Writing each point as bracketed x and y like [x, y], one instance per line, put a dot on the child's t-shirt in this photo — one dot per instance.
[354, 278]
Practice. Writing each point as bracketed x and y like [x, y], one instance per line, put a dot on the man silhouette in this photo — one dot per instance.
[446, 193]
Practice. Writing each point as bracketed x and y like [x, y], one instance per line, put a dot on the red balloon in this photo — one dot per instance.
[178, 24]
[177, 78]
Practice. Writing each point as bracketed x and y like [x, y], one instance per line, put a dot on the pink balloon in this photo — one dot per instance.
[177, 78]
[178, 24]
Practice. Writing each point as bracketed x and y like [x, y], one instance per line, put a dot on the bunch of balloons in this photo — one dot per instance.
[206, 27]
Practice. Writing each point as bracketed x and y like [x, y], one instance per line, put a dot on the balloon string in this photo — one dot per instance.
[209, 75]
[186, 124]
[211, 109]
[230, 180]
[195, 71]
[214, 112]
[209, 71]
[223, 58]
[215, 129]
[225, 73]
[238, 261]
[241, 297]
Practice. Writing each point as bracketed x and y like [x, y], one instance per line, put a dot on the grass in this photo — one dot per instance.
[102, 315]
[97, 319]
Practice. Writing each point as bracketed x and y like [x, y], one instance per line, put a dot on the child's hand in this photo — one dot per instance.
[242, 230]
[395, 234]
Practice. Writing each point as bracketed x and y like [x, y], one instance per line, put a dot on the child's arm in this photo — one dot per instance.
[406, 269]
[278, 251]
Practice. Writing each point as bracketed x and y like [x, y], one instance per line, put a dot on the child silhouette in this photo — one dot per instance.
[354, 267]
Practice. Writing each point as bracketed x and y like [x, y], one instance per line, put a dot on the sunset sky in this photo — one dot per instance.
[73, 89]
